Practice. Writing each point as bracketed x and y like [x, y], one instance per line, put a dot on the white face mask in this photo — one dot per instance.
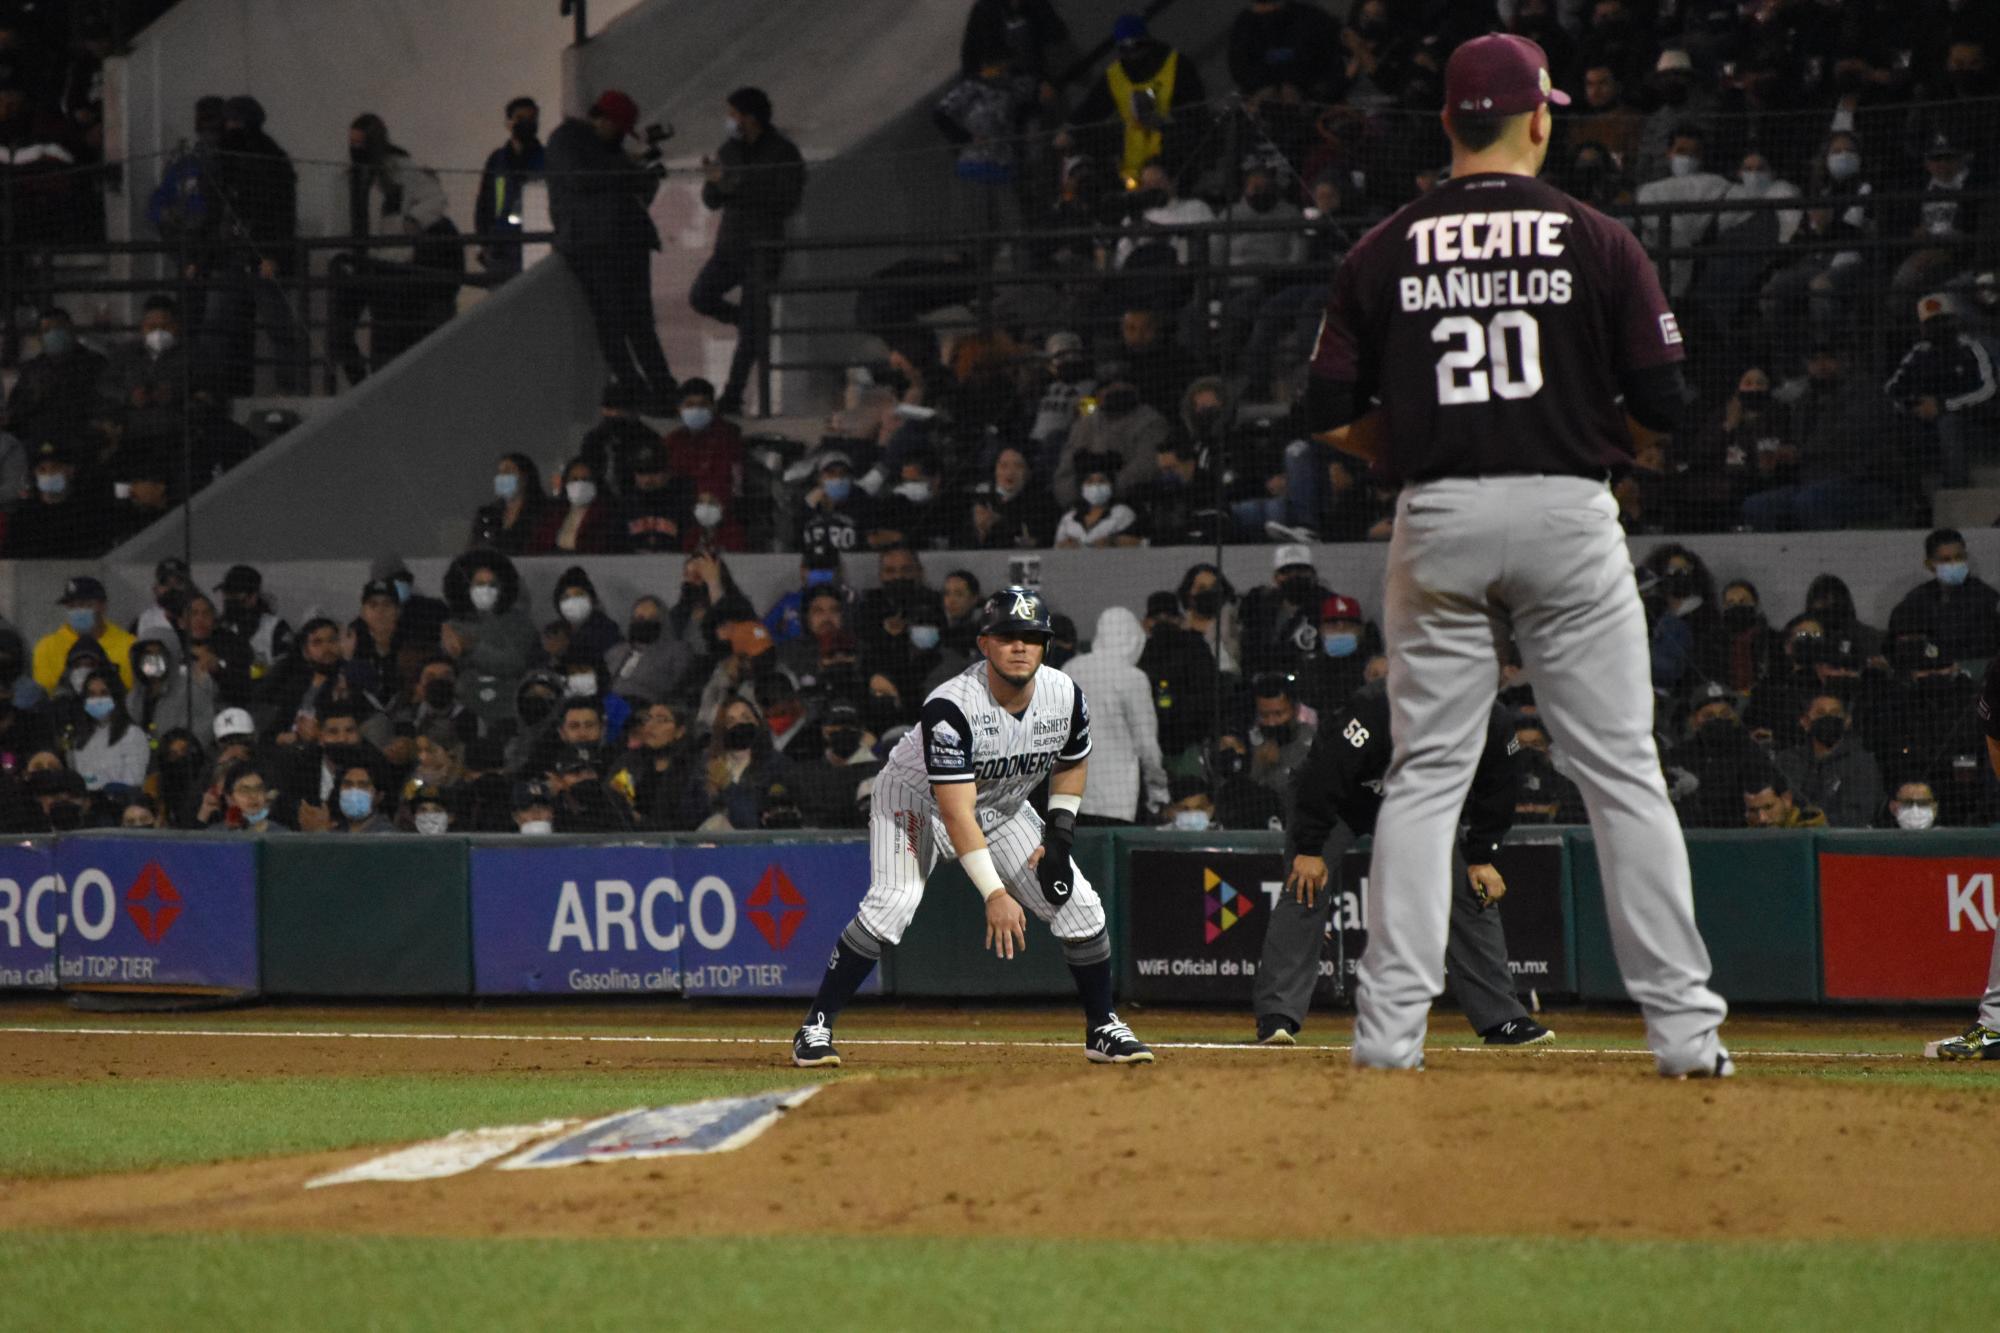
[583, 686]
[432, 821]
[1843, 166]
[1682, 165]
[79, 678]
[1757, 181]
[160, 341]
[916, 492]
[121, 490]
[537, 826]
[575, 610]
[1196, 820]
[1916, 816]
[580, 493]
[1097, 493]
[923, 638]
[697, 419]
[708, 515]
[485, 596]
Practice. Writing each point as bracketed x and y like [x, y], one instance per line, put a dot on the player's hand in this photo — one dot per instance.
[1006, 925]
[1051, 865]
[1362, 437]
[1308, 877]
[1488, 885]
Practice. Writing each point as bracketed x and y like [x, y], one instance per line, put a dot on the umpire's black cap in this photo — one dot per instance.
[1016, 610]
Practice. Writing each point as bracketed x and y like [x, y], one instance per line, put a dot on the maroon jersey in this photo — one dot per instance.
[1495, 318]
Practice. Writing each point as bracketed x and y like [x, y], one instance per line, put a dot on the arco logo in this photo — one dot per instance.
[153, 903]
[777, 924]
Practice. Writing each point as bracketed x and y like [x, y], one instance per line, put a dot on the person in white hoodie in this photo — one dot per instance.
[1124, 728]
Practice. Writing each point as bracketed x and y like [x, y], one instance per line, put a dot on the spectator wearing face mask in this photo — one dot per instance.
[585, 803]
[913, 513]
[740, 767]
[1280, 740]
[84, 603]
[245, 801]
[661, 775]
[1687, 182]
[489, 634]
[1209, 603]
[1151, 95]
[835, 511]
[705, 448]
[1184, 682]
[584, 521]
[1914, 806]
[1749, 449]
[1957, 611]
[657, 506]
[1816, 278]
[1688, 638]
[426, 809]
[509, 521]
[62, 519]
[1280, 621]
[1843, 473]
[165, 694]
[833, 785]
[591, 632]
[756, 181]
[649, 664]
[533, 808]
[1008, 511]
[496, 210]
[1098, 518]
[59, 799]
[1714, 754]
[1751, 644]
[1347, 640]
[390, 196]
[1122, 425]
[1831, 769]
[1241, 801]
[1257, 245]
[56, 391]
[105, 745]
[146, 384]
[1052, 401]
[360, 803]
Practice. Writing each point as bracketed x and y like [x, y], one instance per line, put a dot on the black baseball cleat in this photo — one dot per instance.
[1518, 1032]
[1114, 1044]
[812, 1045]
[1276, 1030]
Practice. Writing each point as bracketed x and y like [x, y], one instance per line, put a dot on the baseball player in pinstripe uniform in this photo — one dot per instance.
[958, 785]
[1508, 332]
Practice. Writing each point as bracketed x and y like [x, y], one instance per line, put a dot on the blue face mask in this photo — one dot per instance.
[506, 485]
[1952, 573]
[924, 637]
[1339, 645]
[58, 342]
[697, 419]
[838, 488]
[51, 483]
[355, 803]
[100, 706]
[403, 589]
[82, 619]
[257, 816]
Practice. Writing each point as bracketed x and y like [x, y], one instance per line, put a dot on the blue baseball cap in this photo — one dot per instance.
[1129, 28]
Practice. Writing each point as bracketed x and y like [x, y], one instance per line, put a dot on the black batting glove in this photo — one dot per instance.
[1053, 871]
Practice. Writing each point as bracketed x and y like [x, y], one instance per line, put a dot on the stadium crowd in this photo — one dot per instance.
[489, 707]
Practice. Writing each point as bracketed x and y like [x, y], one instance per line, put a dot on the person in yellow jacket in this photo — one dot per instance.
[1148, 88]
[83, 602]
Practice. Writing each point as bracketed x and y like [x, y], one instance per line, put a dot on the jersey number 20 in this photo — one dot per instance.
[1461, 375]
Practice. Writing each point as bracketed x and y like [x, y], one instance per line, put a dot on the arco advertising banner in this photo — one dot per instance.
[34, 908]
[166, 914]
[724, 920]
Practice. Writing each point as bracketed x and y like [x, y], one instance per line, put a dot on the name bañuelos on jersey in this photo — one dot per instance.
[962, 735]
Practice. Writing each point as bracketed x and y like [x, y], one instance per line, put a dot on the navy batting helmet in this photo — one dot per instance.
[1016, 610]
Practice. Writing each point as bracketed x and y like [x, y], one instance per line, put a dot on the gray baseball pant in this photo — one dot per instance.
[1542, 557]
[1475, 955]
[1989, 1004]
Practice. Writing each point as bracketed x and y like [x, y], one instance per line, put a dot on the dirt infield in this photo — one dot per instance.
[1025, 1139]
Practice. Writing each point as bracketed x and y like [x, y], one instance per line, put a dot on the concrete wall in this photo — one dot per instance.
[404, 458]
[1879, 566]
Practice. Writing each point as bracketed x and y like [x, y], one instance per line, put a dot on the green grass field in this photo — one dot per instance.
[839, 1283]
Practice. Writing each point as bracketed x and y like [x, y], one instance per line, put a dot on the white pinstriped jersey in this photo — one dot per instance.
[964, 736]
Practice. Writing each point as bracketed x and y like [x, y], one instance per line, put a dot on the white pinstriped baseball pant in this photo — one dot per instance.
[906, 840]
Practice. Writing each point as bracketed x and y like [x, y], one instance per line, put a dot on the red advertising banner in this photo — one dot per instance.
[1906, 927]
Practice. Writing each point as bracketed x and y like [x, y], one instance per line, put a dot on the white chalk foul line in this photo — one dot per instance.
[942, 1043]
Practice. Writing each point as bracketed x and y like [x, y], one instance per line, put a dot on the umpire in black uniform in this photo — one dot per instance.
[597, 201]
[1334, 801]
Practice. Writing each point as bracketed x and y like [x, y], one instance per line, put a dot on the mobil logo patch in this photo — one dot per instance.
[776, 907]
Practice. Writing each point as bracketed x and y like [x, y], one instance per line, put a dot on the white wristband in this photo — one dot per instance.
[979, 868]
[1065, 801]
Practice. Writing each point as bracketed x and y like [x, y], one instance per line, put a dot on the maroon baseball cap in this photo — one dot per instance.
[1337, 607]
[621, 110]
[1500, 75]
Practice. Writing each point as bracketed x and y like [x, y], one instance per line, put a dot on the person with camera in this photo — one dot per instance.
[598, 195]
[755, 180]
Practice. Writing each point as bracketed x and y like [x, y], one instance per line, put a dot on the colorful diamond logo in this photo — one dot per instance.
[777, 927]
[1221, 904]
[153, 887]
